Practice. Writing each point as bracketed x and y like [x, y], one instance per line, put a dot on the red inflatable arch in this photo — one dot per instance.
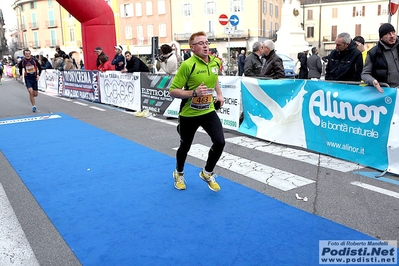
[98, 27]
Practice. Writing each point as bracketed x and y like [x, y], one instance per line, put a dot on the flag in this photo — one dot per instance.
[393, 6]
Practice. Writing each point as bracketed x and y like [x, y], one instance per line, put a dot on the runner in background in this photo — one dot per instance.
[32, 71]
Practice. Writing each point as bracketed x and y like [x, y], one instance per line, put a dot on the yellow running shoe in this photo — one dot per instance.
[179, 180]
[210, 179]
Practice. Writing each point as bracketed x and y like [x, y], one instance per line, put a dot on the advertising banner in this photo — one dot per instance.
[80, 84]
[41, 83]
[155, 92]
[345, 121]
[348, 121]
[273, 110]
[121, 89]
[51, 80]
[229, 114]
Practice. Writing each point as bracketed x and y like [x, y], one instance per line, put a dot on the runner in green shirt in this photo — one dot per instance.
[195, 83]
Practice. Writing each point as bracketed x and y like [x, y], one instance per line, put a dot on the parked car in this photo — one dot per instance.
[289, 65]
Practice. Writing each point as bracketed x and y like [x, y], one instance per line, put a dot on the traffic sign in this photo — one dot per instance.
[234, 20]
[228, 30]
[223, 19]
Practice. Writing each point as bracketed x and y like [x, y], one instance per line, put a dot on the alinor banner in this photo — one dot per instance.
[345, 121]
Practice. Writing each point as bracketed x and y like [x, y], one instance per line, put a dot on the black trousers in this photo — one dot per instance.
[188, 127]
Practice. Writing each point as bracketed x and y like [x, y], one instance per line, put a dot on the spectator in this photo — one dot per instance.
[215, 53]
[119, 59]
[46, 64]
[82, 65]
[381, 62]
[134, 64]
[75, 65]
[59, 51]
[168, 60]
[359, 40]
[253, 63]
[241, 62]
[99, 52]
[186, 55]
[314, 65]
[58, 62]
[104, 64]
[303, 58]
[273, 65]
[176, 51]
[68, 63]
[345, 62]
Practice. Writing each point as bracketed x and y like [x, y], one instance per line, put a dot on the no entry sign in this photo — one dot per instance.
[223, 19]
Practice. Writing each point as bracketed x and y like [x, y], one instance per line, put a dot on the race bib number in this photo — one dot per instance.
[202, 102]
[30, 69]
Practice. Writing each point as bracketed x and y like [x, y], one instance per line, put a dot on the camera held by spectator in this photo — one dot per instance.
[161, 58]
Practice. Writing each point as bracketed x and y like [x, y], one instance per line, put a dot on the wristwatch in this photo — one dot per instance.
[194, 93]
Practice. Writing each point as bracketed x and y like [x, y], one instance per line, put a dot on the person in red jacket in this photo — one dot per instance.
[104, 64]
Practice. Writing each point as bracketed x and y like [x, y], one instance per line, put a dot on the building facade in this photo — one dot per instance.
[140, 21]
[3, 40]
[43, 25]
[258, 20]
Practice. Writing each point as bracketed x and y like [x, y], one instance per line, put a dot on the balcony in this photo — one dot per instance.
[23, 27]
[51, 23]
[34, 45]
[141, 41]
[182, 36]
[34, 26]
[51, 44]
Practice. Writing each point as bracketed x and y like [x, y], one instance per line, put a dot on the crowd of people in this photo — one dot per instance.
[263, 62]
[350, 60]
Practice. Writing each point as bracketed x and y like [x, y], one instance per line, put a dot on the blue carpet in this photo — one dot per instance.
[114, 203]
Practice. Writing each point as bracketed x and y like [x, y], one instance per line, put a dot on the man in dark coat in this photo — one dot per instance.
[134, 64]
[253, 63]
[381, 62]
[314, 65]
[273, 65]
[241, 62]
[345, 62]
[303, 58]
[99, 52]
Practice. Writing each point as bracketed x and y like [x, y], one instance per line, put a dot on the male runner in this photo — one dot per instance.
[194, 83]
[32, 71]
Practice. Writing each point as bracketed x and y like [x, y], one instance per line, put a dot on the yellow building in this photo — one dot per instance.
[43, 25]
